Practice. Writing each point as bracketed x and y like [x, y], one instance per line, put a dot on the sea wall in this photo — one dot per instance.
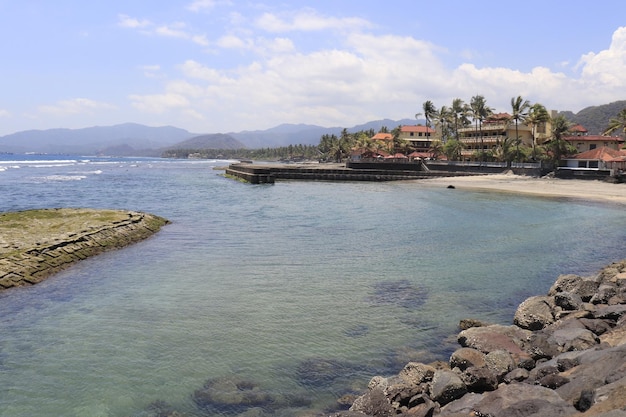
[564, 355]
[32, 264]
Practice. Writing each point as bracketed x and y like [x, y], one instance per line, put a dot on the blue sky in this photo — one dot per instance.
[213, 66]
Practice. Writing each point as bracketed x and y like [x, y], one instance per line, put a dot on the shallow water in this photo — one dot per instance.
[306, 289]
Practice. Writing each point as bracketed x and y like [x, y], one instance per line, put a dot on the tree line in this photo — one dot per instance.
[449, 119]
[446, 120]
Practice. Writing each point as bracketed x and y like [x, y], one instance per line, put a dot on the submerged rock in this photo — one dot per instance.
[565, 354]
[401, 293]
[231, 395]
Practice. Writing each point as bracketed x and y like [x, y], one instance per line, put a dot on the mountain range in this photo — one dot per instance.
[132, 139]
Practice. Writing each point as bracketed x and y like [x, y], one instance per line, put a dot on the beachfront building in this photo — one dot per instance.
[580, 138]
[383, 141]
[492, 131]
[420, 137]
[609, 160]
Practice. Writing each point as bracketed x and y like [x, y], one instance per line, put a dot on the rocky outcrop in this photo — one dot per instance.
[565, 355]
[62, 237]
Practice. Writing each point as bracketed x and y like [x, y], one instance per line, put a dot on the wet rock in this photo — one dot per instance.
[597, 326]
[534, 313]
[357, 331]
[417, 373]
[595, 369]
[467, 323]
[500, 363]
[447, 386]
[231, 395]
[585, 288]
[373, 403]
[518, 374]
[498, 337]
[467, 357]
[604, 293]
[523, 400]
[574, 339]
[553, 381]
[479, 379]
[317, 372]
[401, 293]
[568, 300]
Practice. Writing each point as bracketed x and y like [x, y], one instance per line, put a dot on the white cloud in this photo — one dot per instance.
[366, 76]
[126, 21]
[607, 67]
[4, 113]
[75, 106]
[308, 20]
[176, 30]
[200, 5]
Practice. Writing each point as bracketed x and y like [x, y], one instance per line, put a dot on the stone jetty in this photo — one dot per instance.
[35, 244]
[269, 173]
[564, 355]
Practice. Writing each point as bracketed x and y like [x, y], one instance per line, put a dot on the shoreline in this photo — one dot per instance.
[586, 190]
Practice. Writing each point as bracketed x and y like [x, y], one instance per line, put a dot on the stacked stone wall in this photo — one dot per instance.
[29, 266]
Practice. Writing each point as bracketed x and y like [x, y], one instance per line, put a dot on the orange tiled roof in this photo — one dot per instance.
[498, 117]
[416, 129]
[603, 153]
[382, 136]
[578, 128]
[593, 138]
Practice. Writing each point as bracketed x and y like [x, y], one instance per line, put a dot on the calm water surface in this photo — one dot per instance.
[306, 289]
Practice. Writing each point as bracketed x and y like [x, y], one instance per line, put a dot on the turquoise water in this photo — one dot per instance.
[306, 289]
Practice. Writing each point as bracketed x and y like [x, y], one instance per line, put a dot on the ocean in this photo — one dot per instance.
[273, 299]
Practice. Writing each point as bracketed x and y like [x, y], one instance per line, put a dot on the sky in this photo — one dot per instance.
[218, 66]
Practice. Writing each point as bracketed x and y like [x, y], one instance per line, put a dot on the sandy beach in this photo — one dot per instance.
[545, 187]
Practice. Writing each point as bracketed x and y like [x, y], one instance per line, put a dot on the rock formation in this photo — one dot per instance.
[565, 355]
[35, 244]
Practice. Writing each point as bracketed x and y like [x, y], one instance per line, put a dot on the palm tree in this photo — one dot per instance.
[537, 114]
[560, 127]
[436, 149]
[443, 120]
[452, 149]
[519, 109]
[459, 112]
[504, 150]
[480, 111]
[430, 111]
[618, 123]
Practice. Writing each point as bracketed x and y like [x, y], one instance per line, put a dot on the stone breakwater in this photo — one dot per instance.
[564, 355]
[35, 244]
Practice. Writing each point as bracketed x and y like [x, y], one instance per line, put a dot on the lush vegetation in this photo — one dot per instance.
[447, 121]
[291, 152]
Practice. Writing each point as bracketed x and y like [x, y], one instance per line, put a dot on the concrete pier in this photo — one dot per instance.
[268, 174]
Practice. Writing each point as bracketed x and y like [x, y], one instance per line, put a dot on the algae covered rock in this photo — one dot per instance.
[35, 244]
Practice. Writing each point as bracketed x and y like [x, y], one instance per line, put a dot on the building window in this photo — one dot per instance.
[592, 146]
[593, 164]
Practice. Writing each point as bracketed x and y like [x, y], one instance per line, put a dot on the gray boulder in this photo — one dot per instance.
[464, 358]
[568, 300]
[534, 313]
[498, 337]
[523, 400]
[446, 386]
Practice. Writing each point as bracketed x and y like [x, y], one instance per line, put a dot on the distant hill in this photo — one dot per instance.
[595, 118]
[211, 141]
[129, 137]
[292, 134]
